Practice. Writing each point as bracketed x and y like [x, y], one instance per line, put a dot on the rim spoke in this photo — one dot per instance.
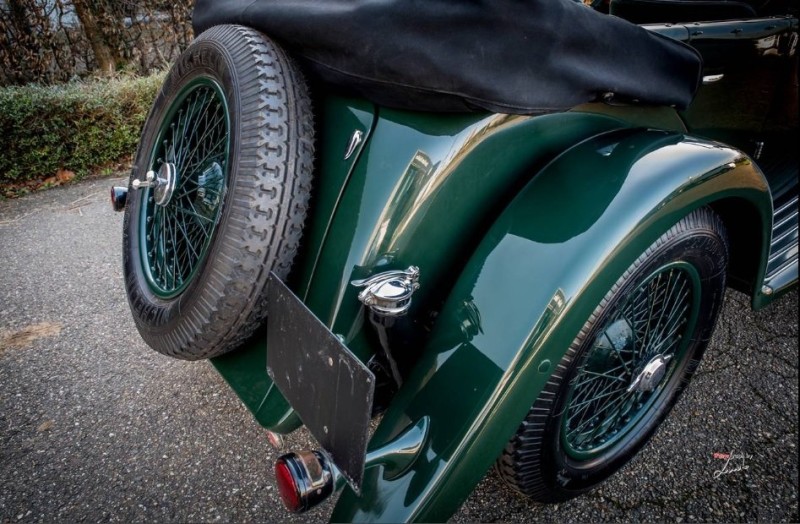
[187, 192]
[606, 376]
[186, 239]
[595, 398]
[177, 233]
[213, 153]
[203, 141]
[647, 325]
[193, 213]
[584, 405]
[199, 142]
[664, 338]
[619, 355]
[194, 121]
[651, 307]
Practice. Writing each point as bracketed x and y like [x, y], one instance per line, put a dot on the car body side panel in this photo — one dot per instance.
[525, 293]
[752, 59]
[423, 192]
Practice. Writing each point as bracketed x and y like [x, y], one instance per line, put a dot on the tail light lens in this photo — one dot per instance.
[287, 487]
[304, 479]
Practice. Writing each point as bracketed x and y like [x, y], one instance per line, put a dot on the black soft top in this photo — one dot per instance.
[505, 56]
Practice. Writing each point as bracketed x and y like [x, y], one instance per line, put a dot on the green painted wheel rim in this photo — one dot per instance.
[178, 219]
[652, 325]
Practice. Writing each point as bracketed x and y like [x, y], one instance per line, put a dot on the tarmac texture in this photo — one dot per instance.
[95, 426]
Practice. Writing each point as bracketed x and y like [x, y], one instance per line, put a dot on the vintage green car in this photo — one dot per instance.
[501, 237]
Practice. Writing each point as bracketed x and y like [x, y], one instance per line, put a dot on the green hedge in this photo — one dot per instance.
[80, 126]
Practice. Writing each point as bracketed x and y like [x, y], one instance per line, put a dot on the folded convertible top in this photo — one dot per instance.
[505, 56]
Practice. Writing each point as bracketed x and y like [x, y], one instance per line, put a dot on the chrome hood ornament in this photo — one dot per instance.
[389, 293]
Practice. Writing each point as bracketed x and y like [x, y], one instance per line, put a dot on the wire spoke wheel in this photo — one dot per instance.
[181, 212]
[627, 366]
[219, 193]
[633, 356]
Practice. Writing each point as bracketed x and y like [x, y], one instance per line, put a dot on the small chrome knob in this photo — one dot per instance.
[150, 181]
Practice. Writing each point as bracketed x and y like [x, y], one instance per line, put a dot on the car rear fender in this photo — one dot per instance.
[418, 189]
[524, 295]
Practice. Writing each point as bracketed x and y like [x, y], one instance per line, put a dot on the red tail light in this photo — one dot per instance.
[304, 480]
[287, 487]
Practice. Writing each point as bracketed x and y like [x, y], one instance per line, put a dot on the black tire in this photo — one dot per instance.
[257, 212]
[569, 443]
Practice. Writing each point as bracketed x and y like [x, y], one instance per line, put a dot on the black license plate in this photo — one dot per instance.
[329, 388]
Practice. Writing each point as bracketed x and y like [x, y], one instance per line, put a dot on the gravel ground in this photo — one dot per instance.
[95, 426]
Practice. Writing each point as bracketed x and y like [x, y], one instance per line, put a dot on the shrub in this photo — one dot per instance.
[79, 126]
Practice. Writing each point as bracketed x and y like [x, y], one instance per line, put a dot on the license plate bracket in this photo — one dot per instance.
[325, 383]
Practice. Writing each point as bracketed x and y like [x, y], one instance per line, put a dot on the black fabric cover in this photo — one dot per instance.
[677, 11]
[504, 56]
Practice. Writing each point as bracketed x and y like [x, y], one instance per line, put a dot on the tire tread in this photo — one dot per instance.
[267, 200]
[520, 463]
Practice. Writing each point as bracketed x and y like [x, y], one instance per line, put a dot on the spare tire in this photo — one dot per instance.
[218, 193]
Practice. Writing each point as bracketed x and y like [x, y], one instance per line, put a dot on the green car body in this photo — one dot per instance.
[518, 225]
[526, 202]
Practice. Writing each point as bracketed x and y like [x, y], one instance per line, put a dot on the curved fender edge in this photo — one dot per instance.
[525, 294]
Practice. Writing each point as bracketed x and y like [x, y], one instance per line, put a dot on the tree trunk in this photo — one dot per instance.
[19, 17]
[102, 53]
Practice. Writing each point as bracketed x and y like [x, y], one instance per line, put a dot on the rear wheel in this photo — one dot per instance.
[627, 367]
[219, 191]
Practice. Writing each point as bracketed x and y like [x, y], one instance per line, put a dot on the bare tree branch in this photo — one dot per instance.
[49, 41]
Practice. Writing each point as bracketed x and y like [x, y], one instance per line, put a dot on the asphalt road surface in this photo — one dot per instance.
[96, 426]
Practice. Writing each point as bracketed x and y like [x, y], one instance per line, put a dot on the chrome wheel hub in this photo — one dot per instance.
[167, 175]
[162, 183]
[651, 374]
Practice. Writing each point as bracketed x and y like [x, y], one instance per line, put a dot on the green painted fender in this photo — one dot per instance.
[525, 293]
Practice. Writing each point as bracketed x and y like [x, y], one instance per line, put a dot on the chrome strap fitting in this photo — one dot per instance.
[389, 293]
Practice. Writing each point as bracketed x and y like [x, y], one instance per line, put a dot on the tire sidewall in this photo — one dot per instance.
[156, 316]
[568, 477]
